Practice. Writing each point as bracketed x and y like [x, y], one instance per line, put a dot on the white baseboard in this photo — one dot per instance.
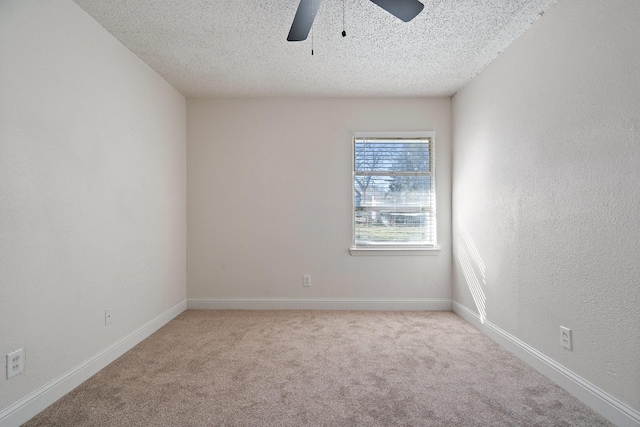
[32, 404]
[318, 304]
[600, 401]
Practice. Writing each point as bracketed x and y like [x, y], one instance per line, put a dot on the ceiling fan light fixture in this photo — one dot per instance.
[404, 10]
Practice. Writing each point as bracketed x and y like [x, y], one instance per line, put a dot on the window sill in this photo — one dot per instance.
[394, 251]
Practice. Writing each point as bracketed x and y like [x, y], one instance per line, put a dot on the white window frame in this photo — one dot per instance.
[396, 248]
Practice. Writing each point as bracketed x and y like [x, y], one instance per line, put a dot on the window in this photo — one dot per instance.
[394, 190]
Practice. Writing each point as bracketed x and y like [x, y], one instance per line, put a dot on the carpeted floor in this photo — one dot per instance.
[318, 368]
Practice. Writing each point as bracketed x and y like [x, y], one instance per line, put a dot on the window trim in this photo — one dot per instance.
[394, 249]
[388, 250]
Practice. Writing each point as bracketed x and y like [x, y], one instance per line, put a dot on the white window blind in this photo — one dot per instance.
[394, 190]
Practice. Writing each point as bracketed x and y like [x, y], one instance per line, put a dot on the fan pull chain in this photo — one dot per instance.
[312, 28]
[344, 33]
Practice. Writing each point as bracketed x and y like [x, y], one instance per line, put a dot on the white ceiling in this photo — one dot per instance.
[239, 48]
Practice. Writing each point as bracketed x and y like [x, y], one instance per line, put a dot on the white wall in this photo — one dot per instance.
[546, 178]
[270, 199]
[92, 190]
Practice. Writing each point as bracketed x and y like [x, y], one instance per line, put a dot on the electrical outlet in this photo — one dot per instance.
[107, 316]
[15, 363]
[306, 280]
[565, 337]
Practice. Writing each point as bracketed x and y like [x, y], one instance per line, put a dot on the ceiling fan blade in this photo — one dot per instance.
[303, 20]
[403, 9]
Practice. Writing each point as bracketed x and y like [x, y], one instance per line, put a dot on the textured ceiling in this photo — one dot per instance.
[239, 48]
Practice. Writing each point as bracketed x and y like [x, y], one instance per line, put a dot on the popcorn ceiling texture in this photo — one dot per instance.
[216, 48]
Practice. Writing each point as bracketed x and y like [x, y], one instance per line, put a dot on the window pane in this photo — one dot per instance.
[387, 191]
[393, 190]
[388, 227]
[392, 156]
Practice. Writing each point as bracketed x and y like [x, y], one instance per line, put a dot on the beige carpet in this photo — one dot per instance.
[318, 368]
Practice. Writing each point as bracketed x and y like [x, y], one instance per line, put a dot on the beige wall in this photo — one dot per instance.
[92, 191]
[546, 179]
[269, 199]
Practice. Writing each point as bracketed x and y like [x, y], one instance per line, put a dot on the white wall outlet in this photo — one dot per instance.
[15, 363]
[107, 316]
[306, 280]
[565, 337]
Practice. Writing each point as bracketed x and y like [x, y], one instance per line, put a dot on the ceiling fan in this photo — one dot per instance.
[405, 10]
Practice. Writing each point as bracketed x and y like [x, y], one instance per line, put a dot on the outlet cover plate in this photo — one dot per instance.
[565, 337]
[15, 363]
